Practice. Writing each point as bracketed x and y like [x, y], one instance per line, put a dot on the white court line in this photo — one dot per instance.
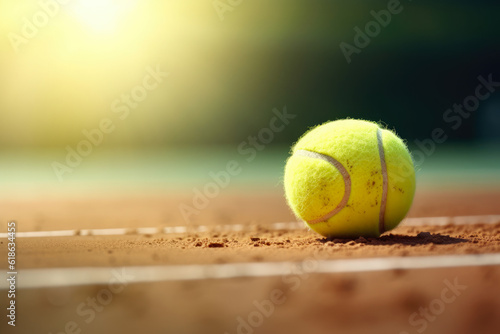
[433, 221]
[58, 277]
[107, 231]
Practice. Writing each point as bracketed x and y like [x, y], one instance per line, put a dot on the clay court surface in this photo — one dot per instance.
[243, 266]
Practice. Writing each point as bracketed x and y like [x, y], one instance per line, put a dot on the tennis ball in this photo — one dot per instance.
[350, 178]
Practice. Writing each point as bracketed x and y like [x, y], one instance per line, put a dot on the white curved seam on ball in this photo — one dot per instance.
[345, 176]
[383, 202]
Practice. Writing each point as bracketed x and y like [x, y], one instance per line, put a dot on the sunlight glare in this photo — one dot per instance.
[101, 16]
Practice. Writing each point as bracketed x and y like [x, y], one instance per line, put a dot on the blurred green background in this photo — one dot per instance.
[64, 68]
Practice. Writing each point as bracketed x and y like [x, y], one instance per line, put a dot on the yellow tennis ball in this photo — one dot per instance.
[350, 178]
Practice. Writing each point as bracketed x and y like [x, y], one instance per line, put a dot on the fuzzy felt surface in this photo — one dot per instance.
[314, 187]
